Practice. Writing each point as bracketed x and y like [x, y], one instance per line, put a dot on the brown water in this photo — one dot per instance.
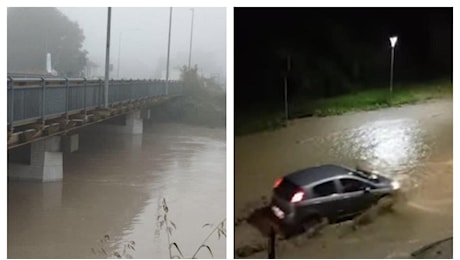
[114, 185]
[412, 144]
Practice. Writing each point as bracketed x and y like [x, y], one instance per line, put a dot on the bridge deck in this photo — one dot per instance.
[40, 107]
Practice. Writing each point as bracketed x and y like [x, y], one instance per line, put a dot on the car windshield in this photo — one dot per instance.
[366, 175]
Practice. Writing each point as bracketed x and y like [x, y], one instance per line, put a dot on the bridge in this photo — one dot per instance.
[44, 115]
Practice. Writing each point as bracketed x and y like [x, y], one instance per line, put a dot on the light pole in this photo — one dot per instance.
[169, 46]
[191, 36]
[107, 60]
[120, 36]
[393, 41]
[286, 111]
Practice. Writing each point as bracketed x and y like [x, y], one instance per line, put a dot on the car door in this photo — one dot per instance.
[325, 199]
[356, 194]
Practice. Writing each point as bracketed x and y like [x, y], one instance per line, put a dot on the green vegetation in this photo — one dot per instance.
[370, 99]
[201, 103]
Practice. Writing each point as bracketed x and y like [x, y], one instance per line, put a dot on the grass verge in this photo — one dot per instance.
[371, 99]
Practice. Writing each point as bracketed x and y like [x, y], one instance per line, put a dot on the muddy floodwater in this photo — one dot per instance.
[412, 144]
[114, 185]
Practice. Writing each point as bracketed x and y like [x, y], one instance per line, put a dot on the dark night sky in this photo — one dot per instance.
[337, 46]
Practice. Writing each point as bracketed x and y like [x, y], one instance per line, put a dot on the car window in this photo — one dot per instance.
[351, 185]
[324, 189]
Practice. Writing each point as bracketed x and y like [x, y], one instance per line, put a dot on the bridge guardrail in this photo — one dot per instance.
[38, 98]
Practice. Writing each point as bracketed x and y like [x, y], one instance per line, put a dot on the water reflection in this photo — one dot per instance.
[391, 146]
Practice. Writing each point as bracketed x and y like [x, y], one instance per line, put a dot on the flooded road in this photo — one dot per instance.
[114, 185]
[411, 143]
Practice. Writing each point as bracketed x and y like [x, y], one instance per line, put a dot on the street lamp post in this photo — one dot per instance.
[286, 106]
[107, 60]
[393, 41]
[286, 115]
[191, 36]
[169, 46]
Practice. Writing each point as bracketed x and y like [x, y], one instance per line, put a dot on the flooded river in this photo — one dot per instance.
[114, 185]
[411, 143]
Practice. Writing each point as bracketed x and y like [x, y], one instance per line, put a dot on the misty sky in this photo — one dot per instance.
[145, 37]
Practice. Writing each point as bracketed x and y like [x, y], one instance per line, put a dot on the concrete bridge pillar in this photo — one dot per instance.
[133, 123]
[43, 163]
[130, 123]
[146, 114]
[70, 143]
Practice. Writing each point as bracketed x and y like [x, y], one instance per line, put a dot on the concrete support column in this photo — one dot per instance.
[46, 163]
[133, 123]
[70, 143]
[146, 114]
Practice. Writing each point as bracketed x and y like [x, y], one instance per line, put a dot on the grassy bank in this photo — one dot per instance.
[201, 103]
[261, 119]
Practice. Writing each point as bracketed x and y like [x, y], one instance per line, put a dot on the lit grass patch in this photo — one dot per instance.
[364, 100]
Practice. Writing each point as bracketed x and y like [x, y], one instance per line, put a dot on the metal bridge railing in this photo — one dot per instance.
[35, 99]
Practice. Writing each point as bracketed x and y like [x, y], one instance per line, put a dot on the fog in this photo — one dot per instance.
[139, 39]
[142, 34]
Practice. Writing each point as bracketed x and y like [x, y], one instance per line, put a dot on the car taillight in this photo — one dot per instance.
[277, 182]
[298, 196]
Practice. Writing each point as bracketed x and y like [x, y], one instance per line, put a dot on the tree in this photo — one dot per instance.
[34, 32]
[190, 77]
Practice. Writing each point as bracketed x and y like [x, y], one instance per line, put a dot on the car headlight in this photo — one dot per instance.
[395, 185]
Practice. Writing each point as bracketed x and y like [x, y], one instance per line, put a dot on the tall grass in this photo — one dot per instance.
[102, 250]
[167, 226]
[174, 249]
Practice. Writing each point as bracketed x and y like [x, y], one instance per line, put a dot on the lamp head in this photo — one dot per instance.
[393, 41]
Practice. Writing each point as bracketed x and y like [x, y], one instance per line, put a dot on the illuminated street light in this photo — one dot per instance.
[393, 41]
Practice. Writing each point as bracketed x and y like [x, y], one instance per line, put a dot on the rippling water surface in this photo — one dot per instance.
[114, 185]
